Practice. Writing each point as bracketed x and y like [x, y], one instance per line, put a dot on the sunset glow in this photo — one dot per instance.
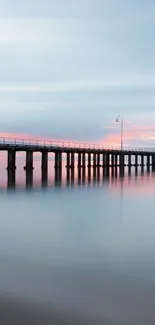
[134, 134]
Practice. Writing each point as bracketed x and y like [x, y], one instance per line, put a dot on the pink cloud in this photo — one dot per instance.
[138, 134]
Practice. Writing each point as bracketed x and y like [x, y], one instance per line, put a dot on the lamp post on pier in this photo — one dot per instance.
[120, 119]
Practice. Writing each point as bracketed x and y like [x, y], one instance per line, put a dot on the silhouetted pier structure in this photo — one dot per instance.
[86, 155]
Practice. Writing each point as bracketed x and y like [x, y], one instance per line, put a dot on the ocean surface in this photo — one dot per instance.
[77, 249]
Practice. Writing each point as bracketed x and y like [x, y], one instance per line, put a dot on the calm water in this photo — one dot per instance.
[85, 246]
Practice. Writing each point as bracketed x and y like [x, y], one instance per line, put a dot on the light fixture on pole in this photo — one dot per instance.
[120, 119]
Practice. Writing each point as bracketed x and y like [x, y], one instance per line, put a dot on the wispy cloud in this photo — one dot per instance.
[80, 86]
[69, 67]
[134, 134]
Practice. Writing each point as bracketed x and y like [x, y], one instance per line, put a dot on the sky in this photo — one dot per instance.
[68, 68]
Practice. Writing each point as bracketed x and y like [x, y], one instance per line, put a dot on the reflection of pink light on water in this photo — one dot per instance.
[134, 185]
[143, 183]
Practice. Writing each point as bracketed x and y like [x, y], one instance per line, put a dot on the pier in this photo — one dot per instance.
[86, 155]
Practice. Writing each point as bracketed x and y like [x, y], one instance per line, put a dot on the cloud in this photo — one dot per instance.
[79, 86]
[134, 135]
[68, 68]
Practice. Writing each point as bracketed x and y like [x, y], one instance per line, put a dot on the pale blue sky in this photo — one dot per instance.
[67, 67]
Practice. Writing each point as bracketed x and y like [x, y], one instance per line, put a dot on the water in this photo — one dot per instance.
[84, 247]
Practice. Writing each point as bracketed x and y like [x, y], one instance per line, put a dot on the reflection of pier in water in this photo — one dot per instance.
[75, 177]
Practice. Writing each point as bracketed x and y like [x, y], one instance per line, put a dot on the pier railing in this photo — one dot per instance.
[64, 144]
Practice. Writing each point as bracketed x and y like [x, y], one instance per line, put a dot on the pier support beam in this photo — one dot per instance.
[68, 160]
[116, 160]
[89, 160]
[142, 160]
[148, 163]
[11, 160]
[29, 161]
[98, 160]
[104, 160]
[136, 160]
[153, 162]
[112, 160]
[107, 160]
[79, 160]
[129, 159]
[58, 160]
[121, 160]
[44, 160]
[72, 160]
[44, 167]
[121, 164]
[83, 160]
[94, 160]
[148, 160]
